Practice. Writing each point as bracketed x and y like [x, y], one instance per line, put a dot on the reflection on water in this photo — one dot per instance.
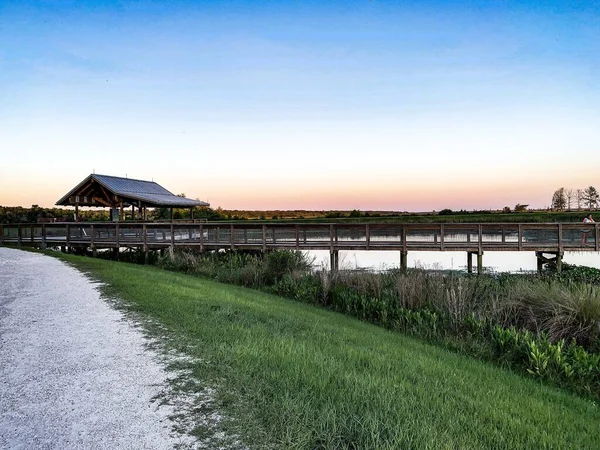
[492, 261]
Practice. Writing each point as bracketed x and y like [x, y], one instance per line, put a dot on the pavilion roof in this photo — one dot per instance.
[129, 190]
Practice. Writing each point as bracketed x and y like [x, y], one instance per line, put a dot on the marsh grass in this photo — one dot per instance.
[455, 310]
[292, 376]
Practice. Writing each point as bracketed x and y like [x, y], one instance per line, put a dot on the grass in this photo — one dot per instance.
[293, 376]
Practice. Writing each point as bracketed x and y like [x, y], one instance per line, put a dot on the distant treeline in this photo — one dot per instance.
[19, 214]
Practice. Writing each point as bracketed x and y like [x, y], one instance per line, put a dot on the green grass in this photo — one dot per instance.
[295, 376]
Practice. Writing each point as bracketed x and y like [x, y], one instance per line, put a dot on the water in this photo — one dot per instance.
[492, 261]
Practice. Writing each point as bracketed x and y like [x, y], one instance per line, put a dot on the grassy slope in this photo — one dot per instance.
[303, 377]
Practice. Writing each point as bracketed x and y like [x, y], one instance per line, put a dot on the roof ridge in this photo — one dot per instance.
[123, 178]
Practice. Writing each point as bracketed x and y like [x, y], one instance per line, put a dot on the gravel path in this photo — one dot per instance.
[74, 374]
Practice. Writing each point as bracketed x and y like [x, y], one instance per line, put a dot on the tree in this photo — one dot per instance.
[506, 209]
[559, 199]
[570, 194]
[579, 198]
[590, 197]
[520, 208]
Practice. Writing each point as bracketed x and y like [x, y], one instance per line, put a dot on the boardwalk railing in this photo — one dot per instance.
[547, 237]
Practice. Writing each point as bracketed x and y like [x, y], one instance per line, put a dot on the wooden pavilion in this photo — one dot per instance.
[118, 193]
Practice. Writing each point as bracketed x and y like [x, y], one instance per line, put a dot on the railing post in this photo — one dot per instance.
[172, 236]
[1, 234]
[68, 238]
[368, 235]
[91, 234]
[520, 237]
[117, 236]
[404, 246]
[331, 238]
[201, 238]
[560, 239]
[231, 240]
[480, 239]
[31, 232]
[145, 237]
[596, 237]
[441, 236]
[19, 233]
[297, 229]
[264, 238]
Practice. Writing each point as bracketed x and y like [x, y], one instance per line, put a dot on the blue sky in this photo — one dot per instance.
[360, 104]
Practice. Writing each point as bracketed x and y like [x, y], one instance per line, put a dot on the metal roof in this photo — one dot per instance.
[149, 192]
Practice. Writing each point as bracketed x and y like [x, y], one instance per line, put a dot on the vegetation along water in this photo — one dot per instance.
[289, 375]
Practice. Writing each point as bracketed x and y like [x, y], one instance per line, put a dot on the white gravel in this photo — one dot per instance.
[74, 374]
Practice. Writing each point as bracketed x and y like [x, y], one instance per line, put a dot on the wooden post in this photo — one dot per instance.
[76, 212]
[44, 245]
[192, 214]
[297, 229]
[480, 244]
[201, 238]
[171, 214]
[520, 237]
[596, 229]
[231, 237]
[479, 263]
[560, 238]
[145, 247]
[469, 262]
[68, 238]
[20, 233]
[334, 260]
[92, 246]
[442, 236]
[540, 262]
[132, 211]
[368, 236]
[403, 261]
[331, 239]
[264, 238]
[172, 236]
[559, 257]
[2, 234]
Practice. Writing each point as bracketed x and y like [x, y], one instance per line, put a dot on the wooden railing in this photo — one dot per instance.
[555, 237]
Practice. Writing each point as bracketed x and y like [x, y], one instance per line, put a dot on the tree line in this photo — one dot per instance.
[569, 199]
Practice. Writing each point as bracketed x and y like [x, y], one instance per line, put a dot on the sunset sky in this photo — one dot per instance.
[373, 105]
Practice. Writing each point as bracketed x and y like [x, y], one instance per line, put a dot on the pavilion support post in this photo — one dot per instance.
[479, 263]
[469, 262]
[559, 257]
[171, 214]
[116, 253]
[94, 251]
[76, 212]
[403, 261]
[192, 214]
[132, 212]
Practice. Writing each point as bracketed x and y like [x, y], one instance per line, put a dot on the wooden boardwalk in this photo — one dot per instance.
[473, 238]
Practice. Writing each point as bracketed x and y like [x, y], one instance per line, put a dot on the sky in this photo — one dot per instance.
[370, 105]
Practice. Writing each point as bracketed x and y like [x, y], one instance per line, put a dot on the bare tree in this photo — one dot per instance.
[570, 194]
[579, 198]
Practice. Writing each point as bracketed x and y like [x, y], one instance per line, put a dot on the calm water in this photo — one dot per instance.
[494, 261]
